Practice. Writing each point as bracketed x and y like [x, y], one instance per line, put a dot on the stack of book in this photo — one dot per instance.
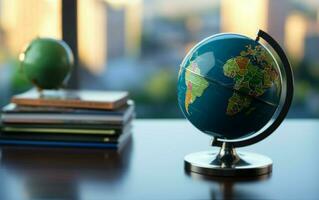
[68, 118]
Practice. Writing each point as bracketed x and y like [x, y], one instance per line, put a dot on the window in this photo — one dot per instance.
[137, 45]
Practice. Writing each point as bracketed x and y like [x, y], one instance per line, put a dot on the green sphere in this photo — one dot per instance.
[47, 62]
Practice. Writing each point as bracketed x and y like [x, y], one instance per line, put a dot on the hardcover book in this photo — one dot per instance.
[107, 100]
[43, 115]
[45, 136]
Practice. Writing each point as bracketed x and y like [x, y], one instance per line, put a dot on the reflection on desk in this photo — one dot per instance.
[58, 173]
[225, 187]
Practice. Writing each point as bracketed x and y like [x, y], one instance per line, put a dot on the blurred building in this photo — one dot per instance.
[108, 29]
[301, 32]
[92, 34]
[115, 28]
[295, 34]
[278, 11]
[246, 17]
[22, 21]
[311, 48]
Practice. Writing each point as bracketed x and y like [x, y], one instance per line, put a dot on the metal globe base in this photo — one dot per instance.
[227, 162]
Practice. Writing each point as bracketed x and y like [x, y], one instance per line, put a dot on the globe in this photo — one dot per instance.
[47, 62]
[229, 86]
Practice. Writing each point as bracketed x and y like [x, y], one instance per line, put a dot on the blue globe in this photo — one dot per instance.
[229, 86]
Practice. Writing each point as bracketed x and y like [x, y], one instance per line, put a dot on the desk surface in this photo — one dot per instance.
[151, 167]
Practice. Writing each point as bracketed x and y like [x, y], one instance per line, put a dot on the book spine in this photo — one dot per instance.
[55, 131]
[69, 103]
[58, 138]
[70, 122]
[59, 144]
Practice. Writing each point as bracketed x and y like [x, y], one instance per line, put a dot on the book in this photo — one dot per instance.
[56, 118]
[106, 100]
[70, 131]
[59, 131]
[65, 137]
[59, 144]
[115, 127]
[67, 144]
[42, 115]
[14, 108]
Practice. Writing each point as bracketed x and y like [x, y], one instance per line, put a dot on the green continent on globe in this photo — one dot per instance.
[253, 73]
[195, 84]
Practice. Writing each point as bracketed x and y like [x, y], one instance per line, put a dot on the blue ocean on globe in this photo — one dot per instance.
[229, 86]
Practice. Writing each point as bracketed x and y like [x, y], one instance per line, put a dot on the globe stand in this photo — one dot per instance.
[227, 162]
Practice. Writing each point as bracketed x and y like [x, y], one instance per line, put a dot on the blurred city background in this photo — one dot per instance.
[137, 45]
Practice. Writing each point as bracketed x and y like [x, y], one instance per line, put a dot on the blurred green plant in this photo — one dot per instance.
[302, 89]
[161, 87]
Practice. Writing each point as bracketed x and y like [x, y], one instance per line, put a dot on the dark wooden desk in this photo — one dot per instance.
[152, 167]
